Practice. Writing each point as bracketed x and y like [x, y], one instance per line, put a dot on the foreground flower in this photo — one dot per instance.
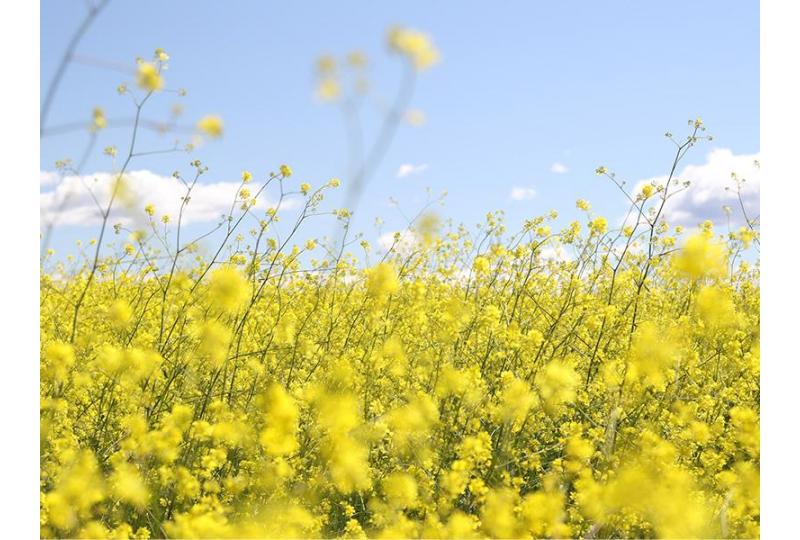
[148, 77]
[211, 125]
[416, 46]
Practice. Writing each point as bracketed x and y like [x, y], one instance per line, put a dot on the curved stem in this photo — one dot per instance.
[65, 60]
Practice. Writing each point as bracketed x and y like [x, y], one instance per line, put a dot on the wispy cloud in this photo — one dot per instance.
[72, 200]
[408, 169]
[707, 194]
[401, 242]
[559, 168]
[47, 178]
[555, 253]
[522, 193]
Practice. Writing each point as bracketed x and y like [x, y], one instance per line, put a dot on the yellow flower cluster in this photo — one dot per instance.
[415, 45]
[442, 392]
[148, 77]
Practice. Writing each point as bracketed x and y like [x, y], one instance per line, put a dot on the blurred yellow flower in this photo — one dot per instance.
[210, 125]
[416, 46]
[148, 77]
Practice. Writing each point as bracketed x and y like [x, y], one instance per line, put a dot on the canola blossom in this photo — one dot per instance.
[527, 398]
[472, 385]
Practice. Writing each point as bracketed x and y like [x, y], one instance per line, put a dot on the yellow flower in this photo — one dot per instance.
[498, 516]
[599, 225]
[415, 45]
[400, 490]
[286, 171]
[557, 383]
[516, 400]
[98, 119]
[161, 55]
[328, 89]
[715, 306]
[120, 313]
[481, 265]
[228, 289]
[326, 65]
[382, 280]
[59, 358]
[701, 257]
[148, 77]
[211, 125]
[745, 422]
[543, 514]
[214, 340]
[279, 435]
[357, 59]
[128, 485]
[653, 352]
[78, 487]
[428, 226]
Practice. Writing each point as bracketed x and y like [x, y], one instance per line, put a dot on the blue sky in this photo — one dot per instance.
[521, 86]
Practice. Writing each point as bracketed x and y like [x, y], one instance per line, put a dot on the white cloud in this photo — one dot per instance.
[70, 202]
[403, 245]
[559, 168]
[407, 169]
[706, 195]
[554, 253]
[47, 178]
[522, 193]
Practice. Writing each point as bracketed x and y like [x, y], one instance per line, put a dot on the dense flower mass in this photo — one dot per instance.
[470, 387]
